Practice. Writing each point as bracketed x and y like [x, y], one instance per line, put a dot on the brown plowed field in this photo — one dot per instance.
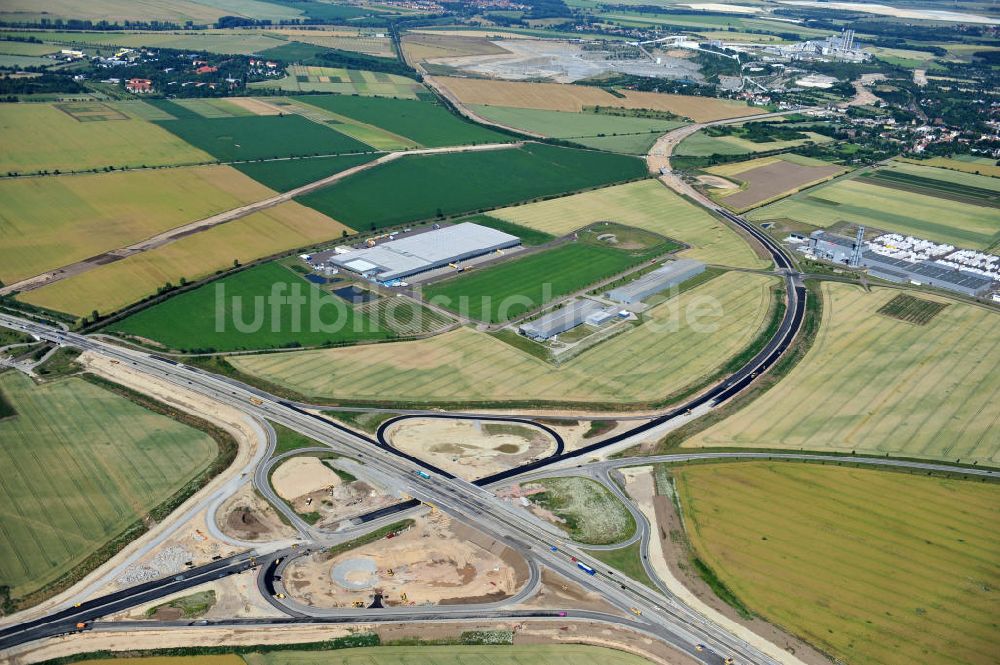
[767, 182]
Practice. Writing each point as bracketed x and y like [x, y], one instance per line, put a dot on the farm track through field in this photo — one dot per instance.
[170, 236]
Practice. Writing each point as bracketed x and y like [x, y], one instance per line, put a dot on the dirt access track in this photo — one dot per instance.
[470, 449]
[436, 562]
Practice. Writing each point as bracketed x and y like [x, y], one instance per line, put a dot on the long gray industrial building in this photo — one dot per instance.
[839, 250]
[397, 259]
[656, 281]
[560, 320]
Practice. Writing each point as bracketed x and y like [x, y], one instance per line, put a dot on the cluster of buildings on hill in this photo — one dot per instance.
[902, 259]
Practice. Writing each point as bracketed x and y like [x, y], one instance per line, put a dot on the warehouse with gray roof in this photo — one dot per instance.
[397, 259]
[560, 320]
[656, 281]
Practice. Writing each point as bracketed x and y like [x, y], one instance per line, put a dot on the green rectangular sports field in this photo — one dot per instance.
[509, 290]
[425, 186]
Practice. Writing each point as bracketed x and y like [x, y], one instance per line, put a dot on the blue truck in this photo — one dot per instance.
[424, 475]
[585, 568]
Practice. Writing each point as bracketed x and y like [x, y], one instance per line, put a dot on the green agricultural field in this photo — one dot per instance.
[82, 464]
[680, 343]
[190, 321]
[635, 133]
[50, 222]
[428, 123]
[587, 511]
[878, 385]
[307, 78]
[376, 137]
[257, 137]
[923, 213]
[511, 289]
[646, 205]
[869, 566]
[701, 145]
[284, 174]
[425, 186]
[71, 145]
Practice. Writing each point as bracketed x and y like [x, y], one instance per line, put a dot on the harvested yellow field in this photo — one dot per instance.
[72, 145]
[646, 205]
[254, 105]
[115, 285]
[560, 97]
[875, 384]
[733, 168]
[869, 566]
[47, 223]
[645, 364]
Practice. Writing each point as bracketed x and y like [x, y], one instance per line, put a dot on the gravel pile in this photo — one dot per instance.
[167, 561]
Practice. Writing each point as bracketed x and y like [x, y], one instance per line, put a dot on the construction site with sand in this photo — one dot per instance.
[325, 494]
[433, 562]
[471, 449]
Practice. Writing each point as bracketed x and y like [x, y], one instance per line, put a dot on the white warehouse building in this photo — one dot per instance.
[397, 259]
[656, 281]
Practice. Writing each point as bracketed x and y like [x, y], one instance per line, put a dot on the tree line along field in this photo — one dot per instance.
[71, 145]
[113, 286]
[256, 137]
[50, 222]
[509, 290]
[617, 133]
[643, 364]
[647, 205]
[426, 186]
[924, 214]
[869, 566]
[81, 464]
[574, 98]
[878, 385]
[190, 321]
[428, 123]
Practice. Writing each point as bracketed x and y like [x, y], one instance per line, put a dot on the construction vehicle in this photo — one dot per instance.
[699, 647]
[389, 572]
[81, 625]
[279, 595]
[402, 596]
[358, 603]
[636, 611]
[729, 661]
[256, 401]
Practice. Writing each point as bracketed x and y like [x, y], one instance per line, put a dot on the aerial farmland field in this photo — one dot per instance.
[924, 215]
[701, 145]
[532, 281]
[50, 222]
[82, 465]
[112, 286]
[633, 135]
[644, 364]
[257, 137]
[769, 178]
[878, 385]
[285, 174]
[426, 186]
[190, 321]
[428, 123]
[303, 78]
[575, 98]
[870, 566]
[73, 145]
[646, 205]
